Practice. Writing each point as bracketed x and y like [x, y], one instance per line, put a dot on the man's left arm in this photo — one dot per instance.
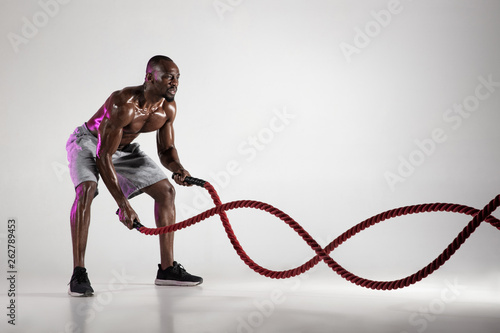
[168, 153]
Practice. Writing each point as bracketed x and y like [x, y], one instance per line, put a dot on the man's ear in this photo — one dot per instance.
[149, 77]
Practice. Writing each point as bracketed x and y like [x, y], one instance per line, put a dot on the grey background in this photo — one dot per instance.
[352, 119]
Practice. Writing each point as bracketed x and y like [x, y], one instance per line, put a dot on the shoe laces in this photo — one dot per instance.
[180, 269]
[80, 277]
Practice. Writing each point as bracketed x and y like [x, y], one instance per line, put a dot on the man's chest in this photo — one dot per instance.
[146, 122]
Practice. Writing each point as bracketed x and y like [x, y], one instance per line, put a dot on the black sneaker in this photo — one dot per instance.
[80, 283]
[176, 275]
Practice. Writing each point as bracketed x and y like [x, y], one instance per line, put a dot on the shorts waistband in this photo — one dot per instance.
[86, 130]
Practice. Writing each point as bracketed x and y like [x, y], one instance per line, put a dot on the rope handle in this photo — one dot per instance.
[136, 224]
[192, 181]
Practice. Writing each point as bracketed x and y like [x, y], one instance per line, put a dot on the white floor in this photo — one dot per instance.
[255, 304]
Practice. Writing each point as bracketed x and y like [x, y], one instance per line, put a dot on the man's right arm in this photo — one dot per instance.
[116, 117]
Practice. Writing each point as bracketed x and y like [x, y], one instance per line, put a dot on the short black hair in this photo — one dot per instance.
[156, 61]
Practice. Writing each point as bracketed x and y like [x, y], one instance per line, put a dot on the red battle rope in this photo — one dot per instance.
[323, 253]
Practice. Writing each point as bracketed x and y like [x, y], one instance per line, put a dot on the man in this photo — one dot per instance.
[104, 146]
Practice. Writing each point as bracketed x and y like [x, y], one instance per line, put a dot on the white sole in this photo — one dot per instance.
[159, 282]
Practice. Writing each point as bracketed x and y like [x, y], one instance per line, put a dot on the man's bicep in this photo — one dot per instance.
[165, 137]
[109, 138]
[110, 131]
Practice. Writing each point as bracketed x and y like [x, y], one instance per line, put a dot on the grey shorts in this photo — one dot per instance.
[135, 170]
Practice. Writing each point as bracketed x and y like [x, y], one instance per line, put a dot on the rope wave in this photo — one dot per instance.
[322, 254]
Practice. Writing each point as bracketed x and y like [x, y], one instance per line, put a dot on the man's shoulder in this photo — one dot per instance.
[121, 103]
[125, 95]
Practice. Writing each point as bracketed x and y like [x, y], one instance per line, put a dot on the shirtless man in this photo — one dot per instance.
[104, 146]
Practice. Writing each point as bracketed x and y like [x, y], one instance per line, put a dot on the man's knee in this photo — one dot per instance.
[162, 191]
[85, 192]
[167, 190]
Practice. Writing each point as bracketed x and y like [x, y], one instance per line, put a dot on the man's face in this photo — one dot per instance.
[166, 80]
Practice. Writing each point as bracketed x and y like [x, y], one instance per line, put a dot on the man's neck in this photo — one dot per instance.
[149, 100]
